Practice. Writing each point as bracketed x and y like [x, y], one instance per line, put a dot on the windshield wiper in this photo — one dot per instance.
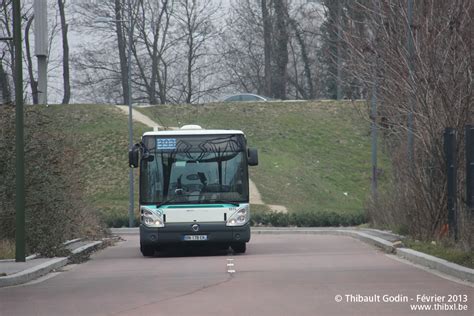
[219, 201]
[166, 202]
[174, 198]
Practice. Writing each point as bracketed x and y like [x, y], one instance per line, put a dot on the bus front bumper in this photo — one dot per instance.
[178, 233]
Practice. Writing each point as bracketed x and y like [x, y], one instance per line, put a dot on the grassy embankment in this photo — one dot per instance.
[101, 133]
[314, 156]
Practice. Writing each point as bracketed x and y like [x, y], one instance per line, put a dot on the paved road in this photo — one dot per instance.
[279, 275]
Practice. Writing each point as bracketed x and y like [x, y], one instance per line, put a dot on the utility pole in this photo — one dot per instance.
[131, 218]
[20, 240]
[373, 103]
[411, 72]
[339, 50]
[469, 139]
[451, 173]
[41, 48]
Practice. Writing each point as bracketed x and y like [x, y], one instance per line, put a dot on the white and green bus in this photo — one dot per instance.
[194, 188]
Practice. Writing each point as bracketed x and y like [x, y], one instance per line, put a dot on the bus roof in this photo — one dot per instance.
[183, 132]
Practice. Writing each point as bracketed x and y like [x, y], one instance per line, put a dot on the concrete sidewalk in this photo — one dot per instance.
[14, 273]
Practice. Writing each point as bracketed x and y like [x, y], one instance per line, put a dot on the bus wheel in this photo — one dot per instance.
[147, 251]
[239, 247]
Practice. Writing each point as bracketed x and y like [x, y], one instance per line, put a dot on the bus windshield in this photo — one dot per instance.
[198, 174]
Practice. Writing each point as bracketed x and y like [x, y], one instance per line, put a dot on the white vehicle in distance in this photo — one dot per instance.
[194, 188]
[246, 97]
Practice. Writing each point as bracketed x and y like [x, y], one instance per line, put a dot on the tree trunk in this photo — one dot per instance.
[190, 57]
[33, 82]
[189, 92]
[332, 53]
[4, 85]
[161, 79]
[305, 58]
[281, 49]
[154, 66]
[121, 47]
[267, 48]
[66, 77]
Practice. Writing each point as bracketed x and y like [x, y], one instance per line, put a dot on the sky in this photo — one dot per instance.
[76, 38]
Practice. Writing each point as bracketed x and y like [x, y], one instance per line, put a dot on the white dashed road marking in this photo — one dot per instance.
[230, 266]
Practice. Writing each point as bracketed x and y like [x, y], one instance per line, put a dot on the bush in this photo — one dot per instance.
[55, 210]
[308, 219]
[117, 220]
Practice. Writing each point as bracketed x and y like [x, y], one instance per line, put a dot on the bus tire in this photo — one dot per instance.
[239, 247]
[147, 250]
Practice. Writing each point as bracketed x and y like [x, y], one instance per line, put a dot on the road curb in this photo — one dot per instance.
[436, 263]
[411, 255]
[373, 240]
[46, 267]
[124, 231]
[33, 273]
[87, 248]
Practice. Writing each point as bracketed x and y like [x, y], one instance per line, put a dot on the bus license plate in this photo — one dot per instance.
[195, 237]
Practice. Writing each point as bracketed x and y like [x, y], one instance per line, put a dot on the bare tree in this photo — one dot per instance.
[101, 63]
[8, 54]
[280, 49]
[306, 90]
[64, 30]
[330, 48]
[4, 84]
[441, 86]
[153, 26]
[267, 46]
[195, 23]
[120, 32]
[242, 47]
[258, 42]
[29, 61]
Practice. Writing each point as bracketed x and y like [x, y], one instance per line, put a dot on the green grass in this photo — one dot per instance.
[444, 251]
[314, 156]
[101, 133]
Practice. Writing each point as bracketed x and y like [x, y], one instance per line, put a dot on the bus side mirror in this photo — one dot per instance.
[252, 156]
[133, 157]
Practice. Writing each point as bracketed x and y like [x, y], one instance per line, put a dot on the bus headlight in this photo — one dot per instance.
[239, 218]
[152, 218]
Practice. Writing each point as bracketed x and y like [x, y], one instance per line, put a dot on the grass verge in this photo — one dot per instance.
[448, 252]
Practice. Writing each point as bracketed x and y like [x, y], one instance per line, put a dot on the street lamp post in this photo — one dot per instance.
[131, 218]
[20, 240]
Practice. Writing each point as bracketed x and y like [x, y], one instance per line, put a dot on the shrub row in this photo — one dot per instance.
[308, 219]
[304, 219]
[118, 220]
